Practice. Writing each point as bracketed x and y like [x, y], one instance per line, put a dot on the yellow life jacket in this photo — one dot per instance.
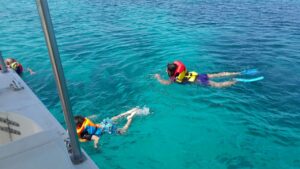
[191, 76]
[181, 76]
[187, 77]
[14, 65]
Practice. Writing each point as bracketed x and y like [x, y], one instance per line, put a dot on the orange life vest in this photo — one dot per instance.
[86, 122]
[180, 72]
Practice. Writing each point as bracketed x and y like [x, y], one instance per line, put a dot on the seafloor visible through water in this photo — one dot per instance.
[111, 49]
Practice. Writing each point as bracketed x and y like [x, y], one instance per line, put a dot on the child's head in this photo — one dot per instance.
[171, 68]
[79, 120]
[9, 61]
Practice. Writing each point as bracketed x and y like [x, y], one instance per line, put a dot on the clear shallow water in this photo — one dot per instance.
[111, 49]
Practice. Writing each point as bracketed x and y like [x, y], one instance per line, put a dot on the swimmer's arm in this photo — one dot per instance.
[162, 81]
[96, 140]
[98, 125]
[31, 71]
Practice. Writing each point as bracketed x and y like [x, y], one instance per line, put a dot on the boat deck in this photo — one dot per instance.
[30, 137]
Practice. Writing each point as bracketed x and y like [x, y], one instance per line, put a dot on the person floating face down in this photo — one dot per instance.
[13, 64]
[16, 66]
[89, 131]
[178, 73]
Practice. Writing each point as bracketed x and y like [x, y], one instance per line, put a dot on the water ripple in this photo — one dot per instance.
[110, 51]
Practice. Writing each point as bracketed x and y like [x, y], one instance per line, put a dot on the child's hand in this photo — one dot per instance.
[31, 71]
[96, 141]
[157, 76]
[96, 146]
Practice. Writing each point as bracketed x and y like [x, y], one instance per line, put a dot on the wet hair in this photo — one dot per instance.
[171, 67]
[79, 120]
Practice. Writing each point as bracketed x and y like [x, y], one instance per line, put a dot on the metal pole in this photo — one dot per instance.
[3, 65]
[42, 5]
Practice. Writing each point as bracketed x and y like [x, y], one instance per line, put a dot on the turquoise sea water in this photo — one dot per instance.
[111, 49]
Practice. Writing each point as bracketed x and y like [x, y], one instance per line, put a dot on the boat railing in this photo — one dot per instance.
[77, 156]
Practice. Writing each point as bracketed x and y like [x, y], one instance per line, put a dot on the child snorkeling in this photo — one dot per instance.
[178, 73]
[16, 66]
[87, 130]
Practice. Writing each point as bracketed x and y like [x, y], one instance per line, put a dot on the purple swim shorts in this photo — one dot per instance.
[202, 79]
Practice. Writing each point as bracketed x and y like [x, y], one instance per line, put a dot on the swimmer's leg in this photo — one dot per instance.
[126, 126]
[134, 110]
[223, 74]
[221, 84]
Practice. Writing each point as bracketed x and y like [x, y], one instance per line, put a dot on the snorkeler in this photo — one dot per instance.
[178, 73]
[87, 130]
[16, 66]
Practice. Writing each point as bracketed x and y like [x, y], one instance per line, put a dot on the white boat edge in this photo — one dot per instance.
[36, 140]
